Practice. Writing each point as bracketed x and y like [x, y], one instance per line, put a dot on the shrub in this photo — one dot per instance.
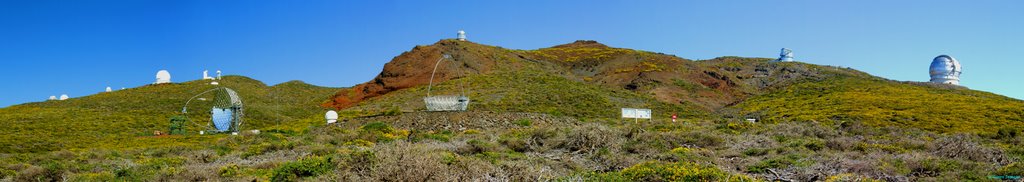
[755, 152]
[967, 147]
[377, 127]
[678, 171]
[523, 122]
[773, 163]
[360, 142]
[230, 170]
[592, 136]
[306, 167]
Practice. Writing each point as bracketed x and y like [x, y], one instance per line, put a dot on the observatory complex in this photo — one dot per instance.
[945, 70]
[162, 76]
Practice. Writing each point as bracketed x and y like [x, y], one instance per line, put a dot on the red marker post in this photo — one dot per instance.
[674, 117]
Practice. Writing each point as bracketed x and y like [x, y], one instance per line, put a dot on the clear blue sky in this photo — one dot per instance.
[81, 47]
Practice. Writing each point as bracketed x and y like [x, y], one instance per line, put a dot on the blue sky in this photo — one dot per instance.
[81, 47]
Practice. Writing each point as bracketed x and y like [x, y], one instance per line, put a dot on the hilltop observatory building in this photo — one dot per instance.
[786, 55]
[162, 76]
[945, 70]
[206, 75]
[462, 35]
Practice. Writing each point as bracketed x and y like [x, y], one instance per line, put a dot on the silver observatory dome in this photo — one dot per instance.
[945, 70]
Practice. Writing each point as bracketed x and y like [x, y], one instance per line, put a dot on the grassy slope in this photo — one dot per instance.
[118, 119]
[531, 89]
[879, 102]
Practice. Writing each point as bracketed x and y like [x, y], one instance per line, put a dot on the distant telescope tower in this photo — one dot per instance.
[163, 76]
[945, 70]
[462, 35]
[786, 55]
[206, 75]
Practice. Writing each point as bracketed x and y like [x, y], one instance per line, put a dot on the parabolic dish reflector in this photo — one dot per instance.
[221, 118]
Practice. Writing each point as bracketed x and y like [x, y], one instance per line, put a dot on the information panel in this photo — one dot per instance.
[636, 113]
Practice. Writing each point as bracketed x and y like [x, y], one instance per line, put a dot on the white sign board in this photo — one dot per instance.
[636, 113]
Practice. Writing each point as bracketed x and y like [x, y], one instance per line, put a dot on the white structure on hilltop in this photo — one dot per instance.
[109, 90]
[945, 70]
[218, 74]
[64, 97]
[163, 76]
[331, 116]
[214, 83]
[786, 55]
[206, 75]
[52, 97]
[462, 35]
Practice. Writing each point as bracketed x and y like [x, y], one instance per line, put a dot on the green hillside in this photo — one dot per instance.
[125, 118]
[536, 91]
[550, 114]
[879, 102]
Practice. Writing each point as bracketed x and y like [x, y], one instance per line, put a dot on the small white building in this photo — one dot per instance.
[162, 76]
[218, 74]
[64, 97]
[52, 97]
[462, 35]
[109, 89]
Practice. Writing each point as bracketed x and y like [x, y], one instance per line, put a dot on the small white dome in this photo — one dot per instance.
[163, 76]
[331, 116]
[52, 97]
[64, 97]
[462, 35]
[109, 89]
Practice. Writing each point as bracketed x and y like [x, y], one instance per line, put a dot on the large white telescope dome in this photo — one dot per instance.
[945, 69]
[163, 76]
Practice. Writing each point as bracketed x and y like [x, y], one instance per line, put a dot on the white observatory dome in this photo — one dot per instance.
[52, 98]
[331, 116]
[64, 97]
[109, 90]
[163, 76]
[945, 70]
[462, 35]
